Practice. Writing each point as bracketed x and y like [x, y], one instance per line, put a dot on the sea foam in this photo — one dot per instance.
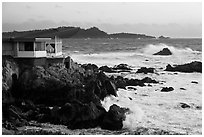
[134, 116]
[151, 49]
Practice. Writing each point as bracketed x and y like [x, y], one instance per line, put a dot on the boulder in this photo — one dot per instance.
[195, 82]
[149, 80]
[184, 105]
[164, 51]
[145, 70]
[121, 82]
[194, 66]
[167, 89]
[122, 68]
[77, 115]
[113, 119]
[107, 69]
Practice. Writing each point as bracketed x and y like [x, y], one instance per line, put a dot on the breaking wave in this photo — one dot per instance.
[125, 99]
[151, 49]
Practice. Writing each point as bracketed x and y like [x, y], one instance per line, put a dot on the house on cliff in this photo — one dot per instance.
[37, 47]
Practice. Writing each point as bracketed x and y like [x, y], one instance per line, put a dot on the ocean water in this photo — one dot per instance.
[149, 107]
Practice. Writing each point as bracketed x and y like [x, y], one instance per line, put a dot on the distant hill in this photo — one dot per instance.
[131, 35]
[162, 37]
[73, 32]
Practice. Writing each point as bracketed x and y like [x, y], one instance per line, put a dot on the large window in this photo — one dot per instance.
[26, 46]
[40, 46]
[29, 46]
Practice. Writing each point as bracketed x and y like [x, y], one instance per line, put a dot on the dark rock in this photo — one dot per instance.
[195, 82]
[148, 80]
[14, 115]
[122, 67]
[91, 67]
[113, 119]
[135, 82]
[182, 88]
[131, 88]
[130, 98]
[184, 105]
[164, 51]
[121, 82]
[167, 89]
[194, 66]
[145, 70]
[10, 74]
[107, 69]
[199, 107]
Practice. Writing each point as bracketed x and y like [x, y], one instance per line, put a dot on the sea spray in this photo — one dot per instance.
[125, 99]
[151, 49]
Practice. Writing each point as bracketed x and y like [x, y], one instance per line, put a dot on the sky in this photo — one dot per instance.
[178, 19]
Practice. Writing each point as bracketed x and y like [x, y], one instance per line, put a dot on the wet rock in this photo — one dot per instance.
[145, 70]
[149, 80]
[195, 82]
[77, 115]
[90, 67]
[131, 88]
[13, 115]
[121, 82]
[10, 74]
[199, 107]
[164, 51]
[113, 119]
[122, 68]
[107, 69]
[194, 66]
[167, 89]
[184, 105]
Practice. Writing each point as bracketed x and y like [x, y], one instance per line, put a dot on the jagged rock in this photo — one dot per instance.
[195, 82]
[77, 115]
[122, 68]
[145, 70]
[107, 69]
[90, 67]
[184, 105]
[164, 51]
[167, 89]
[113, 119]
[194, 66]
[10, 73]
[148, 80]
[121, 82]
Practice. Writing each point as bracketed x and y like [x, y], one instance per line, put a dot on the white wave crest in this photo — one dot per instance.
[123, 100]
[151, 49]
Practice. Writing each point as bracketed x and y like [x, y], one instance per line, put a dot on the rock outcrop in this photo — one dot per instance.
[167, 89]
[56, 94]
[194, 66]
[113, 118]
[145, 70]
[164, 51]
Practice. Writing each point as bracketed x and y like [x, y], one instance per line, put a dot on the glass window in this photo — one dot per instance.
[39, 46]
[29, 46]
[21, 46]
